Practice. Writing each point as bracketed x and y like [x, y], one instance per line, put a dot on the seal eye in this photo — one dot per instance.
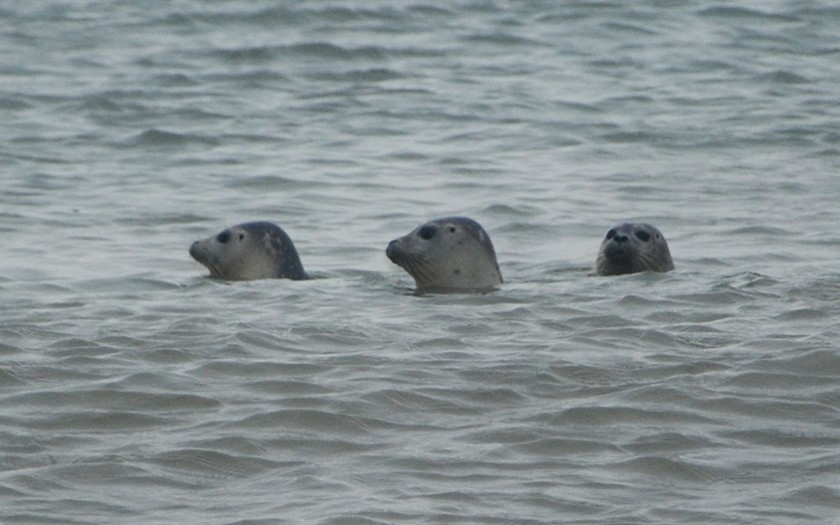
[452, 229]
[610, 234]
[223, 237]
[241, 236]
[643, 236]
[427, 232]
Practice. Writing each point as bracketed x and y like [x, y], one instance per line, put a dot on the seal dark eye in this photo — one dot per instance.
[241, 236]
[643, 236]
[452, 229]
[427, 232]
[223, 237]
[610, 234]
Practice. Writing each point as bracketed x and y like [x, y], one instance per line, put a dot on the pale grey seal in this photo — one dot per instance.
[631, 248]
[253, 250]
[449, 254]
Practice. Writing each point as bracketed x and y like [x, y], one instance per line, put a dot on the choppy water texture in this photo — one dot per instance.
[136, 390]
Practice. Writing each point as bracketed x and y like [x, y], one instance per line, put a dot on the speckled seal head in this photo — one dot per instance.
[253, 250]
[631, 248]
[449, 254]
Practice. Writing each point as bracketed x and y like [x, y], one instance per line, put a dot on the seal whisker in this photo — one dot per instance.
[214, 270]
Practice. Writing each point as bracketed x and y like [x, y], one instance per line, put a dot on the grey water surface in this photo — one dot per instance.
[134, 389]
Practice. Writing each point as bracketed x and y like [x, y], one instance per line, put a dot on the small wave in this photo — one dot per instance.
[308, 50]
[312, 420]
[815, 495]
[11, 102]
[504, 39]
[177, 80]
[110, 421]
[783, 77]
[332, 51]
[268, 182]
[360, 75]
[201, 464]
[663, 469]
[740, 13]
[158, 138]
[248, 54]
[109, 399]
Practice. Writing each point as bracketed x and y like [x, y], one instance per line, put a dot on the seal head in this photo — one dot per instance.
[448, 254]
[633, 247]
[253, 250]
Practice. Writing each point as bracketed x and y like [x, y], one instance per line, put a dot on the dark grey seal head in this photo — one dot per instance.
[631, 248]
[253, 250]
[449, 254]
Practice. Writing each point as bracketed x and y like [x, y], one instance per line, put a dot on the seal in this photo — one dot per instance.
[448, 254]
[631, 248]
[252, 250]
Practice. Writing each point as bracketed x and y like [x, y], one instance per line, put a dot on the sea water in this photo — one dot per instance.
[135, 389]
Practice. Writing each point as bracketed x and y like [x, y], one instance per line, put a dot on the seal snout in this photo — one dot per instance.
[394, 252]
[616, 251]
[195, 251]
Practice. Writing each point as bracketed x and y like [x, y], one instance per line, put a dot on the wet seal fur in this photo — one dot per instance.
[252, 250]
[633, 247]
[448, 254]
